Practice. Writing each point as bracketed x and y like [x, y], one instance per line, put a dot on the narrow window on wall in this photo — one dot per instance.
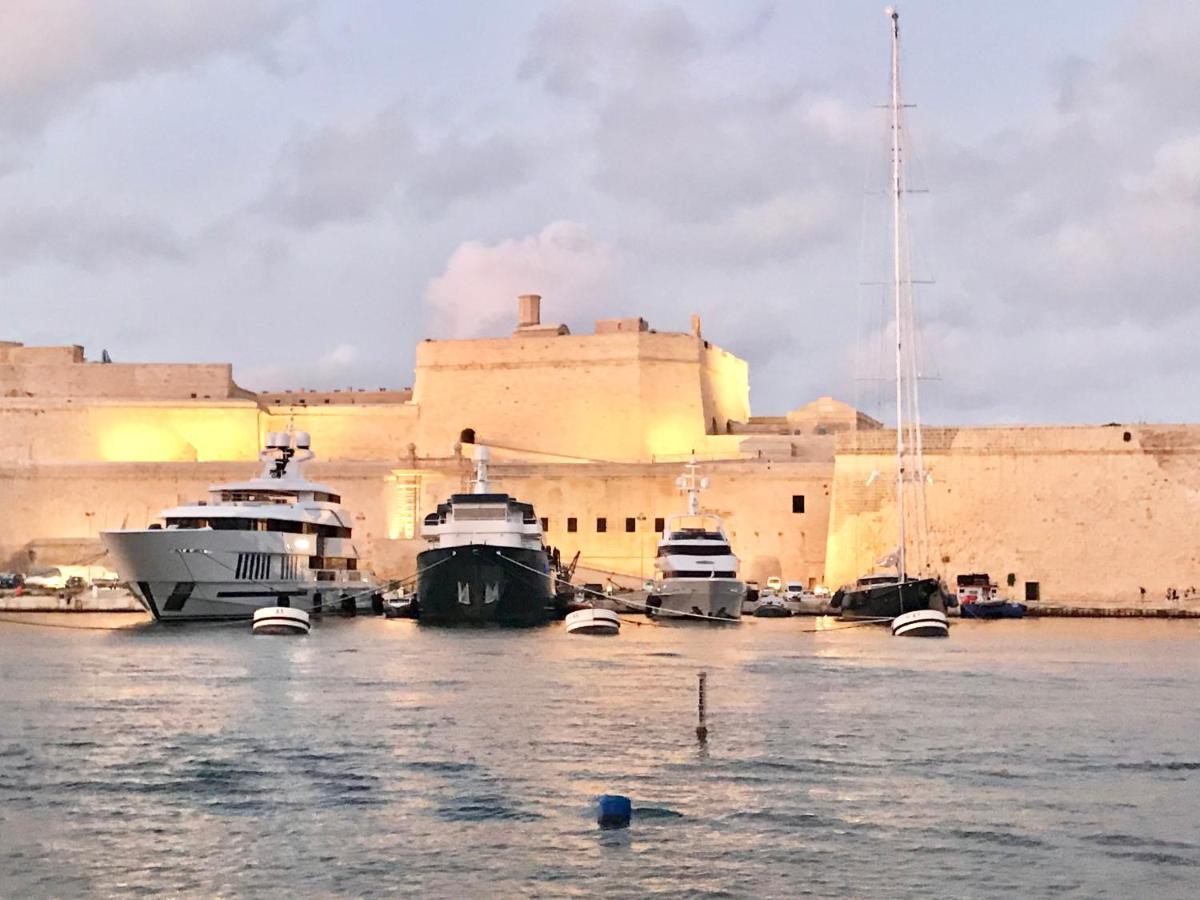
[601, 525]
[572, 524]
[545, 524]
[797, 503]
[1033, 591]
[659, 524]
[630, 524]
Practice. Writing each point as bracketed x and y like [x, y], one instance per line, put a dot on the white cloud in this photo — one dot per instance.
[475, 295]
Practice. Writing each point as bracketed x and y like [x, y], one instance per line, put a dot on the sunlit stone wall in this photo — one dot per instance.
[1091, 514]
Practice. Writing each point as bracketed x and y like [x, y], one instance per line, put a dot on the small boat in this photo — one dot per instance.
[921, 623]
[593, 621]
[772, 608]
[978, 598]
[280, 620]
[999, 608]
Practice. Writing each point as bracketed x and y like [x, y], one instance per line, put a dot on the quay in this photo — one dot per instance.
[1111, 612]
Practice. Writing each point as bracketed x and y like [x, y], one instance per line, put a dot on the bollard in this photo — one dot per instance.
[702, 710]
[613, 811]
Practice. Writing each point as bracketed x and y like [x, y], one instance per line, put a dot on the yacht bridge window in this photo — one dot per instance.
[721, 549]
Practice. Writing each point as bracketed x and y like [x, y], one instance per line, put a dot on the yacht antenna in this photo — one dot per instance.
[690, 482]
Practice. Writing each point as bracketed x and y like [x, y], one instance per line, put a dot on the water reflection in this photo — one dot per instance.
[378, 755]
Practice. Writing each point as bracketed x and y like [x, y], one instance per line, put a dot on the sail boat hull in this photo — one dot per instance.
[886, 601]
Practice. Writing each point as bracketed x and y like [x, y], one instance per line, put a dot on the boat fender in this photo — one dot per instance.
[613, 811]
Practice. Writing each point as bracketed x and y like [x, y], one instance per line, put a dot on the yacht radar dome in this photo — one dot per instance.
[303, 440]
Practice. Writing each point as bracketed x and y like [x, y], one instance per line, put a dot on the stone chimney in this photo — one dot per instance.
[529, 310]
[696, 324]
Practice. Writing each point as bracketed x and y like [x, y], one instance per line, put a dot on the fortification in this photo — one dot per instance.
[591, 428]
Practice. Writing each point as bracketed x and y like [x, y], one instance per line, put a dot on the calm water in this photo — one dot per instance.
[1035, 758]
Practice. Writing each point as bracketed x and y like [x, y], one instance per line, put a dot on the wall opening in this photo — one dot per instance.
[660, 525]
[797, 503]
[545, 524]
[572, 524]
[1033, 591]
[601, 525]
[630, 524]
[466, 436]
[1127, 437]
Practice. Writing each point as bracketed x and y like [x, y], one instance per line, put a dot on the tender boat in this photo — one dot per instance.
[280, 620]
[593, 621]
[277, 540]
[698, 571]
[486, 562]
[921, 623]
[772, 608]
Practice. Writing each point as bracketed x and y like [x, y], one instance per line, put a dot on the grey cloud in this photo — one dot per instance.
[578, 49]
[84, 238]
[55, 53]
[342, 173]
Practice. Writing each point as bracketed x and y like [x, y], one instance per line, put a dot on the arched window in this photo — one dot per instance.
[467, 436]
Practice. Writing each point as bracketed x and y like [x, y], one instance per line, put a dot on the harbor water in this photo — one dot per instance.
[1039, 758]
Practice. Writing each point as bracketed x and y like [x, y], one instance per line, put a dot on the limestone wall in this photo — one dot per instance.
[78, 501]
[49, 431]
[1091, 514]
[31, 375]
[622, 396]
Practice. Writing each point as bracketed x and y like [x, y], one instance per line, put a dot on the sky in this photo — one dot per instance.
[307, 189]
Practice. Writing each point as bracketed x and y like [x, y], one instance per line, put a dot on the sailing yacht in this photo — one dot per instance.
[698, 571]
[914, 604]
[277, 540]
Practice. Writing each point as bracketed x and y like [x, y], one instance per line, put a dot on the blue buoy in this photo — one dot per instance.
[613, 811]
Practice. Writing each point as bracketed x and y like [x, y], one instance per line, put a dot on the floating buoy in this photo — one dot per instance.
[613, 811]
[921, 623]
[280, 620]
[593, 621]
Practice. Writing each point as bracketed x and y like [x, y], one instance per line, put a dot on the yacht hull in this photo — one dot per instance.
[484, 585]
[886, 601]
[187, 576]
[697, 599]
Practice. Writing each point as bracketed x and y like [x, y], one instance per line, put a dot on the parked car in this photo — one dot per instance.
[11, 580]
[46, 580]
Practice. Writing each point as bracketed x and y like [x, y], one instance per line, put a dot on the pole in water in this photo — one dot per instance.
[702, 710]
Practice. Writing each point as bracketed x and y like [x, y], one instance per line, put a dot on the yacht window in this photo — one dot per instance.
[324, 497]
[659, 524]
[797, 503]
[700, 573]
[630, 524]
[694, 550]
[572, 524]
[601, 525]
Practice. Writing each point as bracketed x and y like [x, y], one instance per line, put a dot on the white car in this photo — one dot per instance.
[46, 579]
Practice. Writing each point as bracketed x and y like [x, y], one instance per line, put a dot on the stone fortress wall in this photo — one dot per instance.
[592, 427]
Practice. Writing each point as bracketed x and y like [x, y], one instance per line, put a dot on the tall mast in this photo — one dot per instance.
[897, 285]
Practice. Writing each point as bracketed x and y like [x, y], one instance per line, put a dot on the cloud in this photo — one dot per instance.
[353, 171]
[580, 49]
[475, 295]
[56, 52]
[84, 237]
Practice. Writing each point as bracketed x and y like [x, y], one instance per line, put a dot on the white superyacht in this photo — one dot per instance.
[697, 568]
[275, 540]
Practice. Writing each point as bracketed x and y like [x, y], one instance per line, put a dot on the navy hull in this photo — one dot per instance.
[481, 585]
[992, 610]
[886, 601]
